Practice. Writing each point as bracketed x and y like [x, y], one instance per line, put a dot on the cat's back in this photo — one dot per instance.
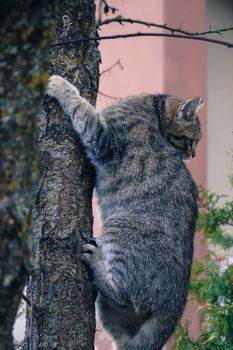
[130, 108]
[146, 176]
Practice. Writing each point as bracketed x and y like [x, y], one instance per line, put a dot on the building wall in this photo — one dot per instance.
[220, 99]
[185, 76]
[141, 58]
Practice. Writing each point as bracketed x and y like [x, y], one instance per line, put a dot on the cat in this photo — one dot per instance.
[148, 201]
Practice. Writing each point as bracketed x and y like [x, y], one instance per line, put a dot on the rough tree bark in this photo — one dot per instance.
[60, 290]
[23, 47]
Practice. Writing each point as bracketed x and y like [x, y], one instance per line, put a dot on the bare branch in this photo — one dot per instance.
[141, 34]
[121, 20]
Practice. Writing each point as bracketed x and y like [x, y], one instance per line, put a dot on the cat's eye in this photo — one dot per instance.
[188, 146]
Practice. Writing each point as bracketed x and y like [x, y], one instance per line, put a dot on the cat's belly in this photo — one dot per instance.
[145, 268]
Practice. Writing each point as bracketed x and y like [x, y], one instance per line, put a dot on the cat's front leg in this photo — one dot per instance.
[91, 126]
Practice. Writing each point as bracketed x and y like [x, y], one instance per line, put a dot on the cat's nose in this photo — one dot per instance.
[191, 152]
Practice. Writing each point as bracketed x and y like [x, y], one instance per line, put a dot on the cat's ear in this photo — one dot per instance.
[189, 108]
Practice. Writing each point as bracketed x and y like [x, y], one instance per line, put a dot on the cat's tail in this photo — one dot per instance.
[153, 334]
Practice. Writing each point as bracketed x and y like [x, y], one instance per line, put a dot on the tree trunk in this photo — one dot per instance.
[22, 60]
[61, 292]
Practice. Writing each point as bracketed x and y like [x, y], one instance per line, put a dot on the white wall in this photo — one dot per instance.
[220, 98]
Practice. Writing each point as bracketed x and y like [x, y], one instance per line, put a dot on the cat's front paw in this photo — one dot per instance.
[59, 87]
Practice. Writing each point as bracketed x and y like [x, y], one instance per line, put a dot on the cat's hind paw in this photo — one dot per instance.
[90, 253]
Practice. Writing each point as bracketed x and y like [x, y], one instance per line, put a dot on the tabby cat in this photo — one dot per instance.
[141, 264]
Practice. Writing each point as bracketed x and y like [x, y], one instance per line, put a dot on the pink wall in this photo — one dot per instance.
[157, 65]
[141, 58]
[185, 75]
[185, 66]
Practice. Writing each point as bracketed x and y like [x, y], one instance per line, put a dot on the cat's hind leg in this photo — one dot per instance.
[115, 322]
[153, 333]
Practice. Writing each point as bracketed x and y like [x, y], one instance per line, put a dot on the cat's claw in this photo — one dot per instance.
[93, 242]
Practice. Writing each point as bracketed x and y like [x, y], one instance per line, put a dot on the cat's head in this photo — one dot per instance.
[182, 124]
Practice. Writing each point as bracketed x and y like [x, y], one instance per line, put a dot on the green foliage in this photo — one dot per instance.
[183, 340]
[212, 284]
[213, 217]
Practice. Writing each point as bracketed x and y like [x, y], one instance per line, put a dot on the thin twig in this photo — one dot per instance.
[108, 8]
[141, 34]
[109, 96]
[28, 301]
[121, 20]
[117, 63]
[33, 311]
[99, 11]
